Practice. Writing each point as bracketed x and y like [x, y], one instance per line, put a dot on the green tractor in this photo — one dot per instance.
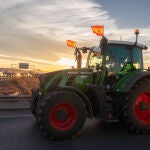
[113, 87]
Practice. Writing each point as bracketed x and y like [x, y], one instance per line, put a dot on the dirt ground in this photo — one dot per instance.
[18, 86]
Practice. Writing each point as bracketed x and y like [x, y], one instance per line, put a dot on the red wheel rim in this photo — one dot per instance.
[63, 116]
[142, 107]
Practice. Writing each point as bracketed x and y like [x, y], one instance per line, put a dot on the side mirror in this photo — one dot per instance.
[145, 47]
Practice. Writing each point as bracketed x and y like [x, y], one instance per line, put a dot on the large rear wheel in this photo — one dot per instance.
[135, 109]
[61, 114]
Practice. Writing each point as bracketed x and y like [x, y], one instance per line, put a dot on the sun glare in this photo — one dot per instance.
[69, 62]
[66, 62]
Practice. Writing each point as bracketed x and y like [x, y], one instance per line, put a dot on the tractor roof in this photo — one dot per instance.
[144, 47]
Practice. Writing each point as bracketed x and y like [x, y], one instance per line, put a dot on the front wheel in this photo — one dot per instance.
[34, 101]
[135, 109]
[61, 114]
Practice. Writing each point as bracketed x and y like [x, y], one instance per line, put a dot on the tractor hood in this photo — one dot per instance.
[44, 78]
[77, 78]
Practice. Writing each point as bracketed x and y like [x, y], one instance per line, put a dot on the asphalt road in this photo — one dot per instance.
[18, 131]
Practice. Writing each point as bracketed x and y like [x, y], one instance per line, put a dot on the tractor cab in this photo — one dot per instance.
[117, 56]
[117, 60]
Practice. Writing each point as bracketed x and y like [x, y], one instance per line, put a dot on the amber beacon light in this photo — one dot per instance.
[137, 31]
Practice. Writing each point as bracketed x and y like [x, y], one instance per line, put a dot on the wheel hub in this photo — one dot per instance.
[142, 108]
[62, 114]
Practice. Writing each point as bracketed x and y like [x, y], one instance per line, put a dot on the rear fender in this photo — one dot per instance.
[126, 85]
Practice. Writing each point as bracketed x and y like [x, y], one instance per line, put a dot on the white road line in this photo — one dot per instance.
[16, 116]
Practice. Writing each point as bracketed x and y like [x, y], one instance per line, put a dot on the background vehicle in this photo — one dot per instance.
[113, 86]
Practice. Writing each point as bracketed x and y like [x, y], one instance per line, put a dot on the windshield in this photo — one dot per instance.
[118, 57]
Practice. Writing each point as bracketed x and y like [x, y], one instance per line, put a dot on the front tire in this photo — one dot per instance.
[34, 101]
[61, 114]
[135, 108]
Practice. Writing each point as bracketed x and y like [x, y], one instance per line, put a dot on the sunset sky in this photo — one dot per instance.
[35, 31]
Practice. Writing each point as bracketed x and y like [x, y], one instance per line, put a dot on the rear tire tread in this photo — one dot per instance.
[125, 116]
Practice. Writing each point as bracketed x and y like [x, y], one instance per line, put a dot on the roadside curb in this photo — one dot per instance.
[14, 105]
[10, 98]
[15, 102]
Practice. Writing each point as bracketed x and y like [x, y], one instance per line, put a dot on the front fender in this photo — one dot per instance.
[83, 96]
